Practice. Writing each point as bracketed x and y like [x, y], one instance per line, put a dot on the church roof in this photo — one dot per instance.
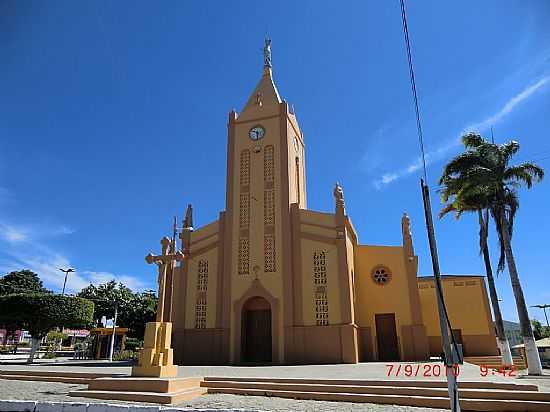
[265, 91]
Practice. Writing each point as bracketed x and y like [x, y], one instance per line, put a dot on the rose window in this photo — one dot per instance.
[381, 275]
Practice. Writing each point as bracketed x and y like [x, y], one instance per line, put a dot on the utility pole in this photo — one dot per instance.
[543, 307]
[111, 349]
[66, 271]
[452, 355]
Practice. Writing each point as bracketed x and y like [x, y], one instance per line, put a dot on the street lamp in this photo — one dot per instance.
[66, 271]
[543, 307]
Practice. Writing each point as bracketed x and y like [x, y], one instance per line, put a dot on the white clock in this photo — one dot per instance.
[256, 133]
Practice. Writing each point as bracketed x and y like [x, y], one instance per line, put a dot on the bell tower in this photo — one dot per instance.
[265, 175]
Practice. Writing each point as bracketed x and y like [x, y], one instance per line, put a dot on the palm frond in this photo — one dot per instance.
[472, 140]
[525, 172]
[508, 150]
[460, 165]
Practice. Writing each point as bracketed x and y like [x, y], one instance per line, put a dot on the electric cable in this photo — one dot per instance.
[421, 142]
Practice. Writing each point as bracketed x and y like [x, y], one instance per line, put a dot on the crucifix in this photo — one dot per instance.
[165, 280]
[156, 358]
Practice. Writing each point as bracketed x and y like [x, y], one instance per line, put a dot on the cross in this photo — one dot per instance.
[163, 260]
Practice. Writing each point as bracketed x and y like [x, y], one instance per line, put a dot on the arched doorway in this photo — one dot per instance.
[256, 331]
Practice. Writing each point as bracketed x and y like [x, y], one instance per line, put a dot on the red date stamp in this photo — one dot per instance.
[510, 372]
[435, 370]
[422, 370]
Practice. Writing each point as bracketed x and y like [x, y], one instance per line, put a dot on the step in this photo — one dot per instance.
[378, 382]
[140, 384]
[382, 390]
[419, 401]
[88, 375]
[61, 379]
[137, 396]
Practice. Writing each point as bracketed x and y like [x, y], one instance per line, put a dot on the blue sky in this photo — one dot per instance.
[113, 118]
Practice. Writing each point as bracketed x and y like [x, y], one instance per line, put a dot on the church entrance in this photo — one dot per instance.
[256, 331]
[386, 337]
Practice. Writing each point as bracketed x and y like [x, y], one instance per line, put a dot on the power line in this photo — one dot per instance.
[413, 87]
[452, 355]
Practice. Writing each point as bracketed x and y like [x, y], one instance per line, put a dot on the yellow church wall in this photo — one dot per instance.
[468, 309]
[310, 217]
[296, 172]
[318, 231]
[351, 265]
[371, 298]
[205, 231]
[309, 247]
[211, 256]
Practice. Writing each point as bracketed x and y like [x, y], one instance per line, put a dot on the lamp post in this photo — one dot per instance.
[112, 347]
[66, 271]
[543, 307]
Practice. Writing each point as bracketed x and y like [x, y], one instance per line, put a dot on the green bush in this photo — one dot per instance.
[125, 355]
[55, 336]
[50, 354]
[133, 344]
[4, 349]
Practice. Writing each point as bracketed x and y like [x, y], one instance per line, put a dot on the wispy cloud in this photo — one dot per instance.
[14, 233]
[11, 234]
[508, 107]
[24, 247]
[450, 145]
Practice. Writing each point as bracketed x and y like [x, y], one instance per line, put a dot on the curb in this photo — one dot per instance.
[33, 406]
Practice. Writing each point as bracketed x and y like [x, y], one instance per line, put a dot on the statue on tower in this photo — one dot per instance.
[267, 53]
[407, 234]
[188, 221]
[338, 195]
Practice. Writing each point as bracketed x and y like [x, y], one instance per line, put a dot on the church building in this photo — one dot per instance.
[273, 282]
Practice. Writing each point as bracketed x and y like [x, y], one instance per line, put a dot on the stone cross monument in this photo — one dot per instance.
[156, 359]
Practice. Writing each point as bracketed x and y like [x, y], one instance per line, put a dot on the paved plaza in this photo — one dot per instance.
[45, 391]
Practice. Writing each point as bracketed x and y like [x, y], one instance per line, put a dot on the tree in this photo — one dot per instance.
[105, 297]
[21, 281]
[134, 309]
[459, 206]
[482, 178]
[141, 309]
[539, 331]
[41, 312]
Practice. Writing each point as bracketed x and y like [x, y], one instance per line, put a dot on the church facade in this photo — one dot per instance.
[273, 282]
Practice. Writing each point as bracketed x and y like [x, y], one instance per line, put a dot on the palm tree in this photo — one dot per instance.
[482, 178]
[459, 206]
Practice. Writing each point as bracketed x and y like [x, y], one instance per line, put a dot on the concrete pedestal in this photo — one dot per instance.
[156, 359]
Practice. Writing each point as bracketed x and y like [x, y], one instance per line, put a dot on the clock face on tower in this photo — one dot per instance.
[256, 133]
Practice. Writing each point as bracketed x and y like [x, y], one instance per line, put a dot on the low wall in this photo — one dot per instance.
[32, 406]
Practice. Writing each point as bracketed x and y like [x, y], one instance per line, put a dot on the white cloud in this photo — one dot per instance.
[508, 107]
[12, 234]
[23, 247]
[452, 144]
